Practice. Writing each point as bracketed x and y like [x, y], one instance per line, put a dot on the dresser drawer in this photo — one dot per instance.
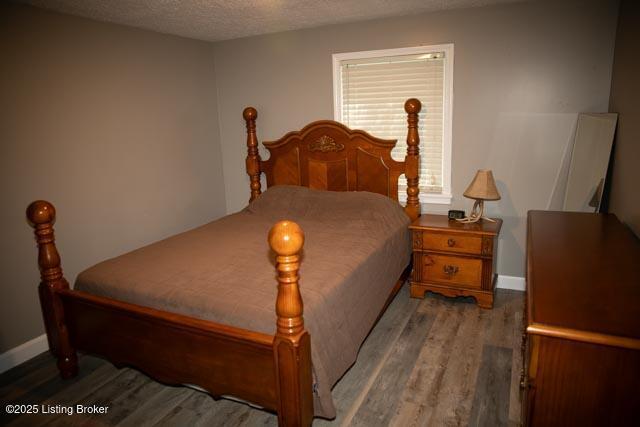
[461, 271]
[452, 243]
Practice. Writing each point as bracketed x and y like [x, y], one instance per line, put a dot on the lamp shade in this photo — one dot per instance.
[483, 187]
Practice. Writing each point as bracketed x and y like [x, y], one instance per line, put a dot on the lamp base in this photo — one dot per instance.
[477, 213]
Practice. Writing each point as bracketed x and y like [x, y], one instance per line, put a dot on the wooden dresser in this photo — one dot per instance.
[454, 258]
[581, 344]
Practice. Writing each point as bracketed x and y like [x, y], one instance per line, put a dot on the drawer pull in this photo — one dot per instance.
[450, 270]
[451, 243]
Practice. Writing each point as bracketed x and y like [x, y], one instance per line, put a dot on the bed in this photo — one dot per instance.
[197, 308]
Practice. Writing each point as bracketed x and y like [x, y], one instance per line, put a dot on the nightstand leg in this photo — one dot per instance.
[417, 291]
[484, 301]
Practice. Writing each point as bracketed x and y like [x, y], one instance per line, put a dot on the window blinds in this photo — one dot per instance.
[374, 91]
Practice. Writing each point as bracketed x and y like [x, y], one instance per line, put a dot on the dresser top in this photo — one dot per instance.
[442, 222]
[583, 274]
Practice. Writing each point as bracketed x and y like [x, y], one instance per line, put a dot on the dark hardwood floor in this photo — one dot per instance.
[431, 362]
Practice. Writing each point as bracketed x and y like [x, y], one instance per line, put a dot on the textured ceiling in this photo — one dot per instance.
[214, 20]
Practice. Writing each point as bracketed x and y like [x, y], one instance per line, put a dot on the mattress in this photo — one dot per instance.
[356, 246]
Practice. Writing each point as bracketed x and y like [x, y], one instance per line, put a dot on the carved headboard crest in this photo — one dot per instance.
[325, 144]
[328, 155]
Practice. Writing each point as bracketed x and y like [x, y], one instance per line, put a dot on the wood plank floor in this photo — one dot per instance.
[432, 362]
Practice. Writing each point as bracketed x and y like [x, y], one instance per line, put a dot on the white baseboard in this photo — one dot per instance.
[511, 282]
[23, 352]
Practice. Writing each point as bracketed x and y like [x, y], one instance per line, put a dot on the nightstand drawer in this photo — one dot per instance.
[465, 272]
[452, 243]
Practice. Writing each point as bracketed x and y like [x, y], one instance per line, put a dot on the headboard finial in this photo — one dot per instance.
[412, 106]
[41, 212]
[250, 113]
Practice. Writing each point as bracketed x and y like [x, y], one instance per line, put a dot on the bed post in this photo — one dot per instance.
[291, 346]
[253, 156]
[412, 160]
[41, 216]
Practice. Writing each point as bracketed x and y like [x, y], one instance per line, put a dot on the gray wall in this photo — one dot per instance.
[624, 199]
[522, 73]
[117, 127]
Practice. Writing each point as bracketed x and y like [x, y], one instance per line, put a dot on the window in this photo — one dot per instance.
[370, 89]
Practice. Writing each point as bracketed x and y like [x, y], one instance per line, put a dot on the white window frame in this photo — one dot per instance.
[425, 198]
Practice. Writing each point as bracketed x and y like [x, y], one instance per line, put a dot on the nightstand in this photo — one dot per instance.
[454, 258]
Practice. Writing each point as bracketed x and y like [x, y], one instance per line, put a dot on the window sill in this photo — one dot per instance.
[431, 199]
[436, 199]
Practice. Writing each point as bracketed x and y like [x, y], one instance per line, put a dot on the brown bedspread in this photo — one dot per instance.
[356, 246]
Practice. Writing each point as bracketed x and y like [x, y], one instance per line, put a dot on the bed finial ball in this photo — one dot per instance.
[413, 105]
[286, 238]
[250, 113]
[41, 212]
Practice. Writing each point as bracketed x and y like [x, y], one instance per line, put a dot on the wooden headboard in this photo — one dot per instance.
[327, 155]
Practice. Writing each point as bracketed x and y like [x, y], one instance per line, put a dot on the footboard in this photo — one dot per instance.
[172, 348]
[273, 371]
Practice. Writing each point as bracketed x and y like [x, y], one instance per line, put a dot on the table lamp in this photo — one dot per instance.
[482, 188]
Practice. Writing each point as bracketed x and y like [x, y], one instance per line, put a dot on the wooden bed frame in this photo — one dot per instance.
[273, 371]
